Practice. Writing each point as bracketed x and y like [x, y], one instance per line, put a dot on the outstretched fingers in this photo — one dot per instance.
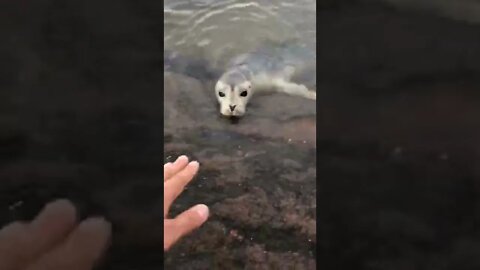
[176, 183]
[183, 224]
[170, 169]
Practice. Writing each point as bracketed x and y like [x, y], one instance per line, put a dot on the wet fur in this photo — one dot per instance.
[257, 72]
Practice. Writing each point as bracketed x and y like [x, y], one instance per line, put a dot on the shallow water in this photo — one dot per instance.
[258, 175]
[218, 30]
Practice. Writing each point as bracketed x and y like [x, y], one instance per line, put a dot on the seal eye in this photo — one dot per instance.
[244, 94]
[221, 94]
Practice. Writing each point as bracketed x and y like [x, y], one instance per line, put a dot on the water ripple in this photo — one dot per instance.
[217, 30]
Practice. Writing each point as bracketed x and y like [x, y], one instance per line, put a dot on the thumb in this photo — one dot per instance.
[185, 223]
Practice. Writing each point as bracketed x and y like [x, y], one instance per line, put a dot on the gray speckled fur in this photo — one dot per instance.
[269, 68]
[274, 60]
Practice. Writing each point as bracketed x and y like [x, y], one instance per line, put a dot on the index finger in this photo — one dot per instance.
[175, 185]
[170, 169]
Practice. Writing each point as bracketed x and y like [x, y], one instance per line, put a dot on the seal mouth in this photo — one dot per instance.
[234, 119]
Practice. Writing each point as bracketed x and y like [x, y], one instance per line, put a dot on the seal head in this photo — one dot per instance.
[233, 91]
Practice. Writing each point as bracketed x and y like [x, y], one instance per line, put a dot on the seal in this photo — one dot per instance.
[264, 70]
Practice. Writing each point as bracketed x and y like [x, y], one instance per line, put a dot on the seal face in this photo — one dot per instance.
[233, 92]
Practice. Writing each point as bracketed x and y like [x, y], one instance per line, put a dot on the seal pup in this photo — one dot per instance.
[265, 70]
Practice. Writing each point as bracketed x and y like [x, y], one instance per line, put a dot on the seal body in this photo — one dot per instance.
[266, 69]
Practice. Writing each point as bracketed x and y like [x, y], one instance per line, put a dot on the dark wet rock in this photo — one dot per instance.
[253, 208]
[247, 192]
[298, 213]
[256, 209]
[295, 130]
[209, 238]
[179, 92]
[291, 163]
[260, 259]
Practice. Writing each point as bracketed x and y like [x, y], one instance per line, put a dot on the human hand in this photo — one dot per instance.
[54, 241]
[176, 176]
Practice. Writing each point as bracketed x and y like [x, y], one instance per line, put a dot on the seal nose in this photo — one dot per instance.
[232, 107]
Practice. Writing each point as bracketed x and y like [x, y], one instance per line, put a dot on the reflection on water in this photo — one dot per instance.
[218, 30]
[258, 175]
